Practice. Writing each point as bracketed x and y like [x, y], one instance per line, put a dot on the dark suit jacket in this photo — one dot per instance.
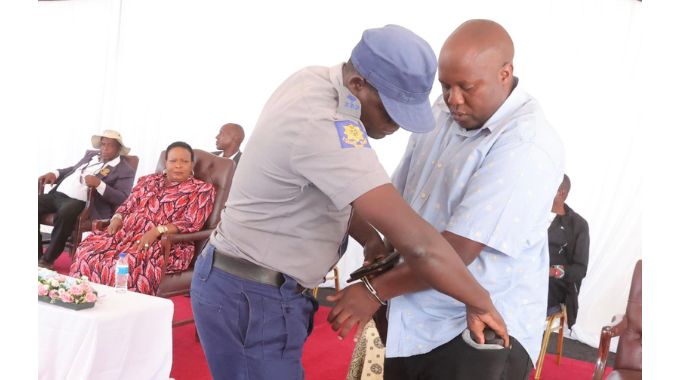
[237, 156]
[118, 185]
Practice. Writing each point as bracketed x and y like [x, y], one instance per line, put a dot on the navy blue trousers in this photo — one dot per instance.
[248, 330]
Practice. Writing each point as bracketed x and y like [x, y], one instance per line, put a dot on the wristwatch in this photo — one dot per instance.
[162, 229]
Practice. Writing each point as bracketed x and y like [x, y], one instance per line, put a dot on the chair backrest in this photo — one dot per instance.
[629, 349]
[133, 161]
[211, 169]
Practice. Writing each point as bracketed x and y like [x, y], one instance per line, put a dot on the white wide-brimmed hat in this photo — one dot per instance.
[109, 133]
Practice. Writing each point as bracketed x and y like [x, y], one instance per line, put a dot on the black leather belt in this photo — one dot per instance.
[247, 270]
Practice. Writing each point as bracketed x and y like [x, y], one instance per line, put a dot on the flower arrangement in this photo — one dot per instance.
[59, 289]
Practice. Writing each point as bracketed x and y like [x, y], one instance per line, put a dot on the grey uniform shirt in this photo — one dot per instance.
[306, 161]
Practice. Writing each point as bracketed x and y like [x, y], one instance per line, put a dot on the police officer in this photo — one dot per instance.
[308, 167]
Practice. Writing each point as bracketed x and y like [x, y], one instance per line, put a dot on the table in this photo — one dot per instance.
[124, 336]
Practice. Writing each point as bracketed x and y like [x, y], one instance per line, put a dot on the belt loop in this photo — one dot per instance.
[288, 288]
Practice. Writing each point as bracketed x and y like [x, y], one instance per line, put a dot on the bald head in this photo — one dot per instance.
[229, 139]
[481, 39]
[476, 71]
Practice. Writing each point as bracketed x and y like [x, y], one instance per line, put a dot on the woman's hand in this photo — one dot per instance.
[115, 224]
[147, 239]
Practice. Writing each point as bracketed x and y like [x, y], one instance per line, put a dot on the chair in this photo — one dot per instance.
[335, 276]
[84, 222]
[628, 327]
[561, 314]
[211, 169]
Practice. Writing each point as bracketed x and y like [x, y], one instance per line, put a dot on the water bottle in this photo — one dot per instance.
[121, 273]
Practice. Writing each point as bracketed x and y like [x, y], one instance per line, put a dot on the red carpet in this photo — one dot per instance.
[324, 358]
[569, 369]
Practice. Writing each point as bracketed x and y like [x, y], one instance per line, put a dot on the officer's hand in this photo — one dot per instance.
[374, 250]
[92, 181]
[353, 305]
[478, 319]
[47, 179]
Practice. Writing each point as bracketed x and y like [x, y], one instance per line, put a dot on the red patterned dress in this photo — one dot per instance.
[152, 202]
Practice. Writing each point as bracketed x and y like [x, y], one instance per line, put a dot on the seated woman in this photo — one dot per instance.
[169, 202]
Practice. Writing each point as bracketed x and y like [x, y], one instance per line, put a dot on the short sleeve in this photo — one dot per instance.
[338, 160]
[507, 201]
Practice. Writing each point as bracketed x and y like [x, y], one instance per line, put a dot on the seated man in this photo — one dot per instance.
[102, 170]
[569, 243]
[229, 140]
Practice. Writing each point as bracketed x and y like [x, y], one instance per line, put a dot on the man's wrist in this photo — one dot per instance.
[372, 291]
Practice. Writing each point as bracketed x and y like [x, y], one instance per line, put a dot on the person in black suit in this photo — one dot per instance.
[102, 169]
[229, 140]
[569, 244]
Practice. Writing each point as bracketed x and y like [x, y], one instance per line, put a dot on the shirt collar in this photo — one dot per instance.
[348, 104]
[234, 155]
[515, 100]
[113, 162]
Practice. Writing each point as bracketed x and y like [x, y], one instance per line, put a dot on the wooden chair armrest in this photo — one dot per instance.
[100, 224]
[617, 325]
[168, 239]
[189, 236]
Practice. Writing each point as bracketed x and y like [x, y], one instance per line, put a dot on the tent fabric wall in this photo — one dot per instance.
[160, 71]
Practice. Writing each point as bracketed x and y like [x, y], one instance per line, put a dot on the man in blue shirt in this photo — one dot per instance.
[485, 178]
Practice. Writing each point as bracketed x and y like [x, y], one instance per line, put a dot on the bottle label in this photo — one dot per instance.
[121, 270]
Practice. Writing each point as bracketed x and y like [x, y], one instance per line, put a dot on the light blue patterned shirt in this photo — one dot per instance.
[494, 185]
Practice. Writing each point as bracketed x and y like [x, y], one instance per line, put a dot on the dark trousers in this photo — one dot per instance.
[248, 330]
[557, 292]
[66, 215]
[457, 360]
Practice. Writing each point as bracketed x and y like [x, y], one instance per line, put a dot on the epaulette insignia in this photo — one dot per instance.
[351, 134]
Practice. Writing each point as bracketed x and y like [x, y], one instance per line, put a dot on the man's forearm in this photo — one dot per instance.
[361, 231]
[428, 254]
[400, 280]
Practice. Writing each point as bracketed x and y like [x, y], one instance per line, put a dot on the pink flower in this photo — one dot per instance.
[60, 278]
[86, 287]
[43, 289]
[66, 297]
[54, 294]
[90, 297]
[76, 290]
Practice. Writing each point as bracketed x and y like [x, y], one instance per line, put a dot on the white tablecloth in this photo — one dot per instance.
[124, 336]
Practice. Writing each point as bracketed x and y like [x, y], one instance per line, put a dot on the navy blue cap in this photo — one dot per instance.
[401, 66]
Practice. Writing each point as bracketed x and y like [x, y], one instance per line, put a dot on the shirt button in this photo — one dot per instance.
[439, 165]
[423, 195]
